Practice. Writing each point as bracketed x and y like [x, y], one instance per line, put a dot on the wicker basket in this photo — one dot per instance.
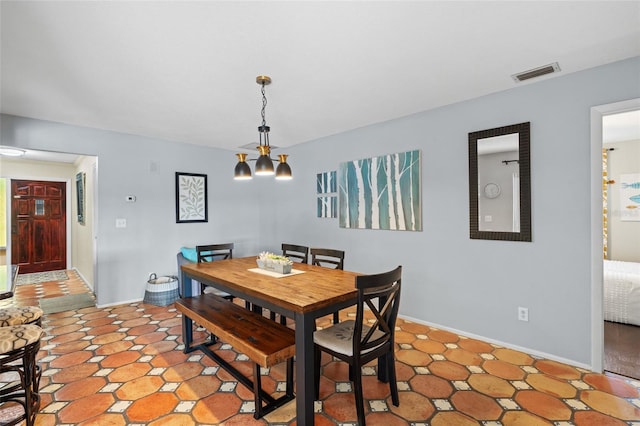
[161, 291]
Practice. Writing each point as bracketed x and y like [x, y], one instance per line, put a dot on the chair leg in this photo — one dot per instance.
[393, 384]
[31, 396]
[358, 395]
[317, 355]
[336, 317]
[25, 390]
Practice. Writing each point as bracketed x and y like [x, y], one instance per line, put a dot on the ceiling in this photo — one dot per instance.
[185, 71]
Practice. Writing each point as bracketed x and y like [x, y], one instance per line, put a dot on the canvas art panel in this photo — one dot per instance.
[381, 192]
[328, 206]
[326, 182]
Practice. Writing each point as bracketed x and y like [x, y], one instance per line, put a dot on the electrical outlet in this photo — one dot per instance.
[523, 313]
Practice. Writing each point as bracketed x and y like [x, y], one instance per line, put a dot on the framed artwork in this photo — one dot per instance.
[381, 192]
[80, 183]
[191, 198]
[326, 183]
[630, 197]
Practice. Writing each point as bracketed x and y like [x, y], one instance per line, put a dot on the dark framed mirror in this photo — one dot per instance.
[500, 183]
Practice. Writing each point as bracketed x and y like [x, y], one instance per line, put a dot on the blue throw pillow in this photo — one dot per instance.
[189, 254]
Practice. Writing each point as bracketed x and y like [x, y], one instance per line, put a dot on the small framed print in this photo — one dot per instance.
[80, 184]
[191, 198]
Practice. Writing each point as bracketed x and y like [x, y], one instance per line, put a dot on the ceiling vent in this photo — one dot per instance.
[536, 72]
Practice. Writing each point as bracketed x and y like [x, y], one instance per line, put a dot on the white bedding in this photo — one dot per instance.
[622, 292]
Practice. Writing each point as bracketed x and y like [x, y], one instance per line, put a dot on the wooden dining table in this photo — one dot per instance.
[308, 293]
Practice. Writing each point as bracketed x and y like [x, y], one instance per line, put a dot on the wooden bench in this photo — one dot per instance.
[265, 342]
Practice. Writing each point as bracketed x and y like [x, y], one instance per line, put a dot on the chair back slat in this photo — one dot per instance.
[295, 252]
[211, 252]
[327, 258]
[380, 293]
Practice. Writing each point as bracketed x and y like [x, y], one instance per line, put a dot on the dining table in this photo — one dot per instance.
[305, 294]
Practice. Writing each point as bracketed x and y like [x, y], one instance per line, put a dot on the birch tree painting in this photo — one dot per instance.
[381, 192]
[326, 183]
[328, 206]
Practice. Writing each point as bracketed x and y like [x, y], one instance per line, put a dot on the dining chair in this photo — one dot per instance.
[296, 253]
[358, 343]
[328, 258]
[210, 253]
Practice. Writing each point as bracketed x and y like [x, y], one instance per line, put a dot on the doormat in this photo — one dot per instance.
[72, 302]
[42, 277]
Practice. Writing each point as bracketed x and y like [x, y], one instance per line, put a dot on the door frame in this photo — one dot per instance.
[597, 286]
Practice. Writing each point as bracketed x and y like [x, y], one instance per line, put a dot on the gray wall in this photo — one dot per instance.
[151, 240]
[468, 285]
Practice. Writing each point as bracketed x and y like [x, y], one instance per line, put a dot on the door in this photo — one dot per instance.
[38, 225]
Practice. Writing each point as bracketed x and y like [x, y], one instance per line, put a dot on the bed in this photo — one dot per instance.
[622, 292]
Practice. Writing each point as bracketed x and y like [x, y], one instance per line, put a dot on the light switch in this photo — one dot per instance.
[121, 223]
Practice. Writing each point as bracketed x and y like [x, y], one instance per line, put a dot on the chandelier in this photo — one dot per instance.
[264, 163]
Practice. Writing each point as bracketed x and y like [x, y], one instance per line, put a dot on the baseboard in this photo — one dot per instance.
[124, 302]
[529, 351]
[83, 279]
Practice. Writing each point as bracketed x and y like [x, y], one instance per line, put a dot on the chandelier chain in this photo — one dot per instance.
[264, 106]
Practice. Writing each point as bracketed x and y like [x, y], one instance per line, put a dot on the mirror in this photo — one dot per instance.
[499, 184]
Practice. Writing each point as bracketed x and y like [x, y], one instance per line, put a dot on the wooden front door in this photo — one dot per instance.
[38, 225]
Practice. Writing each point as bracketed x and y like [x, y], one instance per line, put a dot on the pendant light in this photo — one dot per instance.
[264, 163]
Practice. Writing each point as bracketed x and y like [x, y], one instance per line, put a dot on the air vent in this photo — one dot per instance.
[536, 72]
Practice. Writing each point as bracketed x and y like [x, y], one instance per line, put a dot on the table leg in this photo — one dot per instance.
[305, 387]
[187, 327]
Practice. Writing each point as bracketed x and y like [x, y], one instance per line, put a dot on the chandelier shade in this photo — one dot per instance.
[264, 163]
[243, 171]
[283, 171]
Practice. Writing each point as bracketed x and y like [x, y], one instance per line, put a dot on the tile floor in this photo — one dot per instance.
[123, 365]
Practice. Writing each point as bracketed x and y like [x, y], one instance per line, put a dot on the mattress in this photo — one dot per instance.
[622, 292]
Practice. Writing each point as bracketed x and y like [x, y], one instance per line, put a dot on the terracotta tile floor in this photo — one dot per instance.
[123, 365]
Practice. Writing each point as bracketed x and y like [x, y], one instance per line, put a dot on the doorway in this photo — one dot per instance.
[81, 230]
[621, 220]
[597, 286]
[38, 225]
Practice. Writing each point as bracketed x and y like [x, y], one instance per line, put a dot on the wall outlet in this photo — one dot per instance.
[121, 223]
[523, 313]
